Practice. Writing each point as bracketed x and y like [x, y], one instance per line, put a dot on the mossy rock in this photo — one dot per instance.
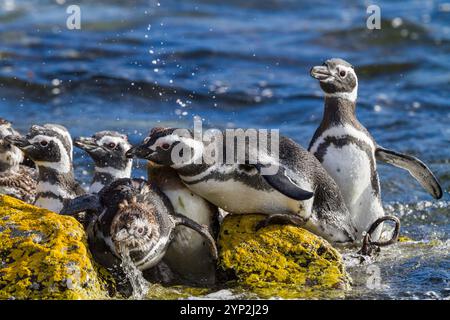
[44, 255]
[403, 238]
[284, 261]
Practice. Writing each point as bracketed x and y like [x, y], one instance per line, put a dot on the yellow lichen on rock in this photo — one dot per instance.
[403, 238]
[284, 261]
[44, 255]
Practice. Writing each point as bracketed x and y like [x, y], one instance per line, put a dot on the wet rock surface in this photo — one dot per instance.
[283, 261]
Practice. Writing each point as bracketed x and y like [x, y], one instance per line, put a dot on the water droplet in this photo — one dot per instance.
[397, 22]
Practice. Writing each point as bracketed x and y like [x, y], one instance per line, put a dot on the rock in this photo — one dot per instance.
[284, 261]
[403, 238]
[44, 255]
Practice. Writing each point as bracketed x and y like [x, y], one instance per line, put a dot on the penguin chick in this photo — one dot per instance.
[16, 180]
[133, 218]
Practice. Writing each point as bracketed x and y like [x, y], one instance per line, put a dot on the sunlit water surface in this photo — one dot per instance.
[139, 64]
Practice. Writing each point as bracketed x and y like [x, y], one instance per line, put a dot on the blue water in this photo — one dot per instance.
[138, 64]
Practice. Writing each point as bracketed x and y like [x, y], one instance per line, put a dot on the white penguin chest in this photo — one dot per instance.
[48, 203]
[236, 197]
[353, 167]
[190, 205]
[350, 167]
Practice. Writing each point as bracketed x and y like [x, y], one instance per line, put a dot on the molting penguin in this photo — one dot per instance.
[188, 256]
[349, 153]
[133, 218]
[16, 179]
[50, 148]
[299, 191]
[107, 149]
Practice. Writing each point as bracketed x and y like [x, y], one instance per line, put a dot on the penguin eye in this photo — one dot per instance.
[43, 143]
[342, 73]
[165, 146]
[111, 145]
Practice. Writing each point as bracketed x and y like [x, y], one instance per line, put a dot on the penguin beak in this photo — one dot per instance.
[139, 152]
[18, 141]
[321, 73]
[87, 144]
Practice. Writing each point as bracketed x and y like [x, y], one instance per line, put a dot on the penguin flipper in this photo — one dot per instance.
[82, 203]
[414, 166]
[284, 182]
[203, 230]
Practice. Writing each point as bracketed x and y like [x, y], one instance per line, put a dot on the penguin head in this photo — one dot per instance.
[167, 146]
[10, 155]
[337, 78]
[106, 148]
[48, 146]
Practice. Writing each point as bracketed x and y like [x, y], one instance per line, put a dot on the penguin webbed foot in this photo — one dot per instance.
[203, 230]
[371, 247]
[281, 218]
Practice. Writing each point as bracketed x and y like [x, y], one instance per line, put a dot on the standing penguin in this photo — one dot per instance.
[107, 149]
[349, 153]
[16, 179]
[299, 191]
[50, 148]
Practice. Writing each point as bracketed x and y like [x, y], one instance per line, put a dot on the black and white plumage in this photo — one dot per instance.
[299, 192]
[107, 149]
[349, 153]
[16, 180]
[188, 255]
[135, 218]
[50, 148]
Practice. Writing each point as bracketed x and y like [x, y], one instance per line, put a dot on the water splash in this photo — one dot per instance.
[138, 283]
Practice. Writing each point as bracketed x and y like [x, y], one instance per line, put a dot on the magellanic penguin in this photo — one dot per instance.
[50, 148]
[349, 153]
[298, 190]
[107, 149]
[188, 255]
[133, 218]
[16, 180]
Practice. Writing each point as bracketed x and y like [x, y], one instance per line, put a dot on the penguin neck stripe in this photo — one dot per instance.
[116, 173]
[56, 189]
[341, 131]
[350, 96]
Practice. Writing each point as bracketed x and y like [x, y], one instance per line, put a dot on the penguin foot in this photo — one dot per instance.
[370, 247]
[281, 218]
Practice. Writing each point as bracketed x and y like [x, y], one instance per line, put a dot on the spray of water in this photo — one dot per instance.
[134, 275]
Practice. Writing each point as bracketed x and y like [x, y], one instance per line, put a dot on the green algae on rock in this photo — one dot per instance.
[284, 261]
[44, 255]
